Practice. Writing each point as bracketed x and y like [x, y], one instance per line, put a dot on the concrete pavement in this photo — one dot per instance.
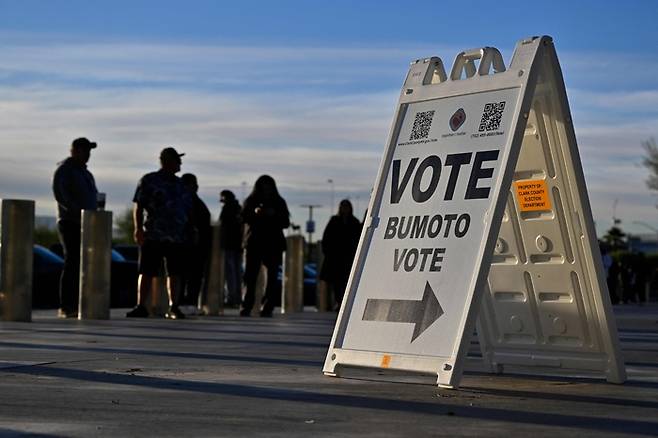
[231, 376]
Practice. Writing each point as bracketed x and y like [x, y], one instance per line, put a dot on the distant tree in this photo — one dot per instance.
[650, 161]
[45, 236]
[615, 238]
[125, 229]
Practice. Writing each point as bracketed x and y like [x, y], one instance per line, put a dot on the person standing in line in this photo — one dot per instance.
[266, 215]
[167, 205]
[639, 266]
[75, 190]
[611, 272]
[339, 243]
[627, 279]
[613, 281]
[199, 240]
[230, 241]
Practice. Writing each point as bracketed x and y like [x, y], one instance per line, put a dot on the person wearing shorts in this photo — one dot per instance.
[162, 209]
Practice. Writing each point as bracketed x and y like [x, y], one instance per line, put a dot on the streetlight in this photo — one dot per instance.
[310, 224]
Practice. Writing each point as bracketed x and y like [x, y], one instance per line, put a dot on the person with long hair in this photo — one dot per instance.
[339, 243]
[265, 215]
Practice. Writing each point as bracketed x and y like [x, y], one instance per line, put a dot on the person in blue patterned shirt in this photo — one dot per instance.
[162, 209]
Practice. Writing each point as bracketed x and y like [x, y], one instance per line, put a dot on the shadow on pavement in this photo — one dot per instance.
[207, 356]
[567, 397]
[323, 345]
[237, 390]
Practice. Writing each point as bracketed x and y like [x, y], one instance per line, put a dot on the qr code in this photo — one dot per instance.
[422, 125]
[491, 116]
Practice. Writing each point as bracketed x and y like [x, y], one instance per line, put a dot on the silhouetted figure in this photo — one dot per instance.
[199, 240]
[611, 272]
[75, 190]
[613, 281]
[627, 279]
[161, 235]
[266, 215]
[339, 243]
[639, 266]
[230, 241]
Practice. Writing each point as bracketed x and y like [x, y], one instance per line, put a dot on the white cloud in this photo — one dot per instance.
[609, 71]
[618, 101]
[301, 114]
[302, 140]
[208, 65]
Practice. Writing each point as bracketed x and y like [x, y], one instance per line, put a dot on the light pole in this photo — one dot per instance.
[310, 224]
[331, 206]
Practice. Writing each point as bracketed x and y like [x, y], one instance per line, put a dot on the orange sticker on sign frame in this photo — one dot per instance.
[532, 195]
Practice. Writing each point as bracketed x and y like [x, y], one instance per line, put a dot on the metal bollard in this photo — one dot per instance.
[213, 300]
[95, 265]
[323, 296]
[16, 258]
[292, 299]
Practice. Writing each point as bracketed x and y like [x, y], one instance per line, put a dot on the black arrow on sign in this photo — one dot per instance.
[422, 313]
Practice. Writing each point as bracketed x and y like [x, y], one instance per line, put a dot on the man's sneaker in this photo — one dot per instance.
[174, 313]
[138, 312]
[66, 313]
[245, 312]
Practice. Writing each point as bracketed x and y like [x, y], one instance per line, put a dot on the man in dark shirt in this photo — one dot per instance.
[75, 190]
[166, 203]
[230, 241]
[199, 240]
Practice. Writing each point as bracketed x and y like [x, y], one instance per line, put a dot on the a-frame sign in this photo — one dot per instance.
[479, 213]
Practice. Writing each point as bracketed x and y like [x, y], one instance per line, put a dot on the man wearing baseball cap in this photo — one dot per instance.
[75, 190]
[162, 208]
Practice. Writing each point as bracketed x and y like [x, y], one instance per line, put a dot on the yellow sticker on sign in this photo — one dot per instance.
[532, 195]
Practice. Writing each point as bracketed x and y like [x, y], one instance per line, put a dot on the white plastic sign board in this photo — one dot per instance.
[432, 228]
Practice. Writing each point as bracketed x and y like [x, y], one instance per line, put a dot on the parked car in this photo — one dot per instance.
[123, 283]
[310, 284]
[129, 252]
[46, 271]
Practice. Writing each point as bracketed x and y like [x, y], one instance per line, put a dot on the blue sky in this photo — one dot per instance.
[302, 90]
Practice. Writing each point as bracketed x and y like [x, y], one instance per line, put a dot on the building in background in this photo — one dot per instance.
[646, 243]
[48, 222]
